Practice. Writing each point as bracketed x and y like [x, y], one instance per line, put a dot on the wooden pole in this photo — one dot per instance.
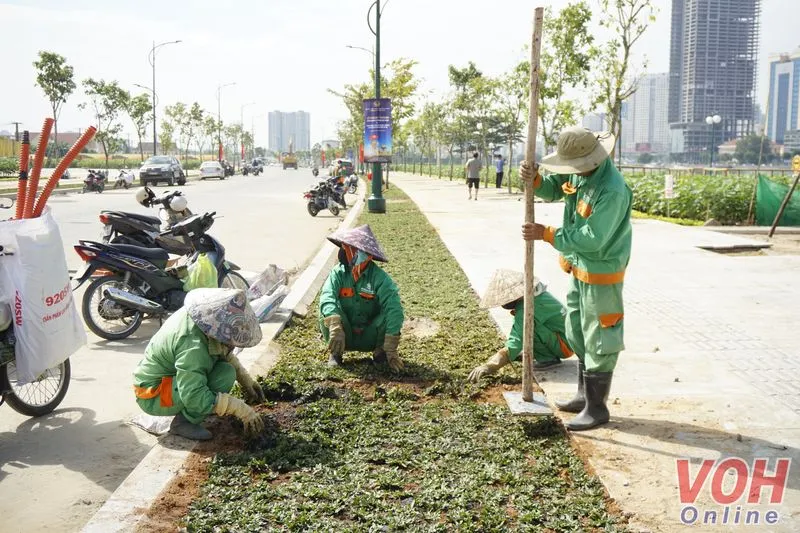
[783, 205]
[530, 157]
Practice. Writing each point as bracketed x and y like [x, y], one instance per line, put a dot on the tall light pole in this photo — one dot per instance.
[152, 59]
[712, 120]
[219, 119]
[376, 202]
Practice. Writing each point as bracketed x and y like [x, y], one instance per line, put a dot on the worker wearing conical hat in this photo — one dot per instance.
[507, 290]
[359, 306]
[594, 243]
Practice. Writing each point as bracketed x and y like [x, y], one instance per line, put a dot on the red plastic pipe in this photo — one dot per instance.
[22, 184]
[38, 161]
[79, 145]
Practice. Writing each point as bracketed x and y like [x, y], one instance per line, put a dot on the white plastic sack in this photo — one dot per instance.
[265, 306]
[34, 281]
[267, 282]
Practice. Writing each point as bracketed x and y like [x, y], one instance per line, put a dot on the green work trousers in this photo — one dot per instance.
[595, 324]
[364, 339]
[220, 379]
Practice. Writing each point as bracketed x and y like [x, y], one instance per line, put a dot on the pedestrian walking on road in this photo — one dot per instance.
[507, 290]
[359, 307]
[595, 246]
[499, 163]
[189, 366]
[474, 167]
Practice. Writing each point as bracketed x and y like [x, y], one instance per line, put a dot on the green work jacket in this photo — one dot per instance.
[361, 302]
[595, 237]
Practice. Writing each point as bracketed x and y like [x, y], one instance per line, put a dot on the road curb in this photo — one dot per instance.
[127, 505]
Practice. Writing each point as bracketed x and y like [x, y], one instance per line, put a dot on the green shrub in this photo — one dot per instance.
[9, 166]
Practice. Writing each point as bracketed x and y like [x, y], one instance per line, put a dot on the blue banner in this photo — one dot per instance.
[378, 130]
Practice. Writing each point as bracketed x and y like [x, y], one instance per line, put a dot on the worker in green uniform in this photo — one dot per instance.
[359, 307]
[594, 241]
[507, 289]
[189, 366]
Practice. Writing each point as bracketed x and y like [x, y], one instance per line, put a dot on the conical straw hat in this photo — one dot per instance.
[507, 286]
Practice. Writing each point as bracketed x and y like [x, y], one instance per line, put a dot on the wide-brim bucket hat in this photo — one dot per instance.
[224, 315]
[579, 150]
[360, 238]
[508, 286]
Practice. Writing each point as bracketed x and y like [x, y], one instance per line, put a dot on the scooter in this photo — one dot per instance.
[136, 282]
[321, 197]
[351, 183]
[315, 171]
[338, 188]
[94, 182]
[123, 227]
[125, 179]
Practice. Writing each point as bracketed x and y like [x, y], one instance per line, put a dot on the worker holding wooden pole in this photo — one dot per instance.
[594, 243]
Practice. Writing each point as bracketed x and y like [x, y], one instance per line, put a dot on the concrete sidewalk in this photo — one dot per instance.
[711, 368]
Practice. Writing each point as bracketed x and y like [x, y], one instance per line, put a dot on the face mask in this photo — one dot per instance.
[359, 258]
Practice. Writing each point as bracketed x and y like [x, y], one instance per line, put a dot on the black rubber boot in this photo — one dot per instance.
[335, 360]
[597, 385]
[576, 404]
[183, 428]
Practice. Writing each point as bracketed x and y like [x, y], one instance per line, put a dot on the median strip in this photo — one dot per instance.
[359, 448]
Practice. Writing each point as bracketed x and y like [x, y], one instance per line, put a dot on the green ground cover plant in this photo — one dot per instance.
[362, 449]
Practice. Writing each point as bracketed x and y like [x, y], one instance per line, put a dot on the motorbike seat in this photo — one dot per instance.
[154, 221]
[154, 255]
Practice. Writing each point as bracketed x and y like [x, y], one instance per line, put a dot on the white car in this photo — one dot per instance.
[211, 169]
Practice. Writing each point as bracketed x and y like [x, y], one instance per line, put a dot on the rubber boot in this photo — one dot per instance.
[183, 428]
[597, 385]
[576, 404]
[335, 360]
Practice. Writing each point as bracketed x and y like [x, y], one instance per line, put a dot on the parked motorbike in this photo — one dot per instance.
[246, 169]
[123, 227]
[125, 179]
[257, 169]
[31, 399]
[321, 197]
[227, 168]
[138, 282]
[95, 181]
[338, 189]
[351, 183]
[315, 171]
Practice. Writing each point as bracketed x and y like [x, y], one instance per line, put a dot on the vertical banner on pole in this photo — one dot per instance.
[377, 130]
[220, 152]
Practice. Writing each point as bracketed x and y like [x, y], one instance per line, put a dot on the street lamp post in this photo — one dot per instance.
[152, 59]
[712, 120]
[219, 119]
[376, 202]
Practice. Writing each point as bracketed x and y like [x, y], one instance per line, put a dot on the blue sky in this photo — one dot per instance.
[284, 54]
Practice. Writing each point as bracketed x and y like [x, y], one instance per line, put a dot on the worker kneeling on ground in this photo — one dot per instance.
[360, 307]
[507, 290]
[189, 366]
[595, 246]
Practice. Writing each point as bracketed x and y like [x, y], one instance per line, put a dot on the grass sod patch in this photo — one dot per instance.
[360, 449]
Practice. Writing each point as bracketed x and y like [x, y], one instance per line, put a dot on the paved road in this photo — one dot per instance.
[55, 471]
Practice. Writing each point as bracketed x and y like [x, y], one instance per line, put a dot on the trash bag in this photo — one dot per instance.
[267, 282]
[202, 274]
[265, 306]
[34, 281]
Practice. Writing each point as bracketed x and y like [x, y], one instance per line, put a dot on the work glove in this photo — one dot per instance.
[336, 336]
[390, 343]
[252, 390]
[228, 405]
[528, 172]
[495, 363]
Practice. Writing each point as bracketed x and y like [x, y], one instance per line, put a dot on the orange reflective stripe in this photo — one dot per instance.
[568, 188]
[537, 181]
[549, 234]
[566, 351]
[347, 292]
[584, 209]
[366, 295]
[164, 391]
[565, 265]
[610, 320]
[598, 279]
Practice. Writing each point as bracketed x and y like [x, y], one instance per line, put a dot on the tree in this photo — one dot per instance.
[140, 110]
[207, 132]
[247, 141]
[233, 136]
[627, 20]
[565, 63]
[513, 91]
[107, 100]
[55, 78]
[750, 148]
[462, 122]
[165, 136]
